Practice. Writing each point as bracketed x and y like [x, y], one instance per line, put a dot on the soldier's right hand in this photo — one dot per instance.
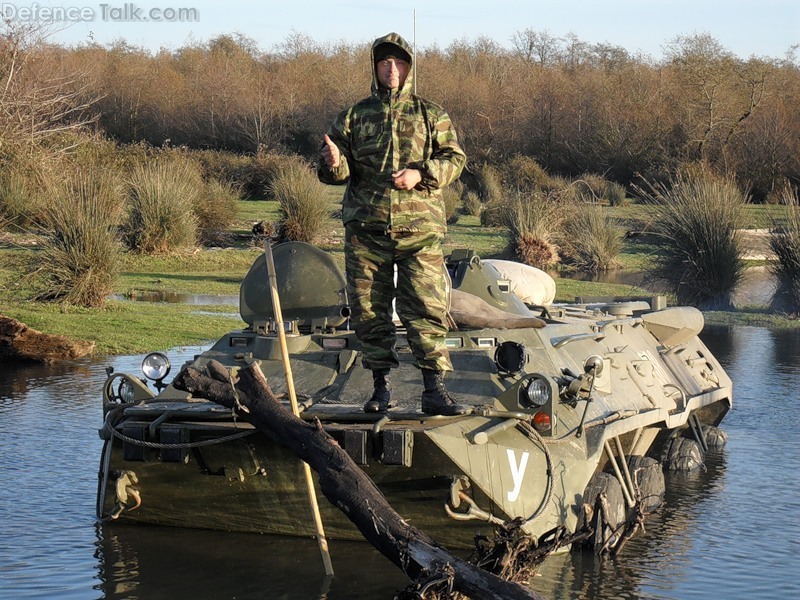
[330, 152]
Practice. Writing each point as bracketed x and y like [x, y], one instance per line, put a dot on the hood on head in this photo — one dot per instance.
[391, 44]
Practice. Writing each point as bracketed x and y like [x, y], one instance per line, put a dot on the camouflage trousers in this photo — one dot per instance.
[420, 293]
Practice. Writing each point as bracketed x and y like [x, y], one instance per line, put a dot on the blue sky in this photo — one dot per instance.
[762, 28]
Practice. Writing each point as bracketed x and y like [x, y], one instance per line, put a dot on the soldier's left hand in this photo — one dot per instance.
[406, 179]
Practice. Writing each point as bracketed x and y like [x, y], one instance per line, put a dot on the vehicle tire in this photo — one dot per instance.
[607, 484]
[715, 437]
[682, 454]
[648, 477]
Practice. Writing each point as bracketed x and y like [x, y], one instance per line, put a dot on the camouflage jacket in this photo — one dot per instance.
[384, 133]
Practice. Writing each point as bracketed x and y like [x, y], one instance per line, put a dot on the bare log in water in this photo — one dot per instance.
[344, 484]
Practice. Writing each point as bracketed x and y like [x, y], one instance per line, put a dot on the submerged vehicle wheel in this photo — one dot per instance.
[682, 454]
[715, 437]
[607, 524]
[648, 476]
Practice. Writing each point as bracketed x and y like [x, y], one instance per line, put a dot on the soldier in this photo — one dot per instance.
[396, 151]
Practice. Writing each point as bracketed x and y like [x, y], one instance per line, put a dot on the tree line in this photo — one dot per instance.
[574, 107]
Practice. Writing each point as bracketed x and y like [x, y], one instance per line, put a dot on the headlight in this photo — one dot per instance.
[155, 366]
[125, 391]
[538, 391]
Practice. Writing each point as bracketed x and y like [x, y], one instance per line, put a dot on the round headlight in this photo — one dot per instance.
[538, 391]
[155, 366]
[125, 391]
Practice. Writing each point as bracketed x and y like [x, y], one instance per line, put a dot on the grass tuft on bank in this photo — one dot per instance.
[785, 243]
[695, 221]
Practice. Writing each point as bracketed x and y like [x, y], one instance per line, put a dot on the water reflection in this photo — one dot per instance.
[756, 288]
[785, 351]
[18, 379]
[141, 562]
[618, 276]
[177, 298]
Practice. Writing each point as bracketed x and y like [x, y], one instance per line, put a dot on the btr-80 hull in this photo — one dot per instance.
[552, 407]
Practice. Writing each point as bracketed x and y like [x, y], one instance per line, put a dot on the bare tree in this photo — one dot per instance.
[36, 104]
[539, 46]
[703, 68]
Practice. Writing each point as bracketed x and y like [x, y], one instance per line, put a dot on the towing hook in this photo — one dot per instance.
[128, 497]
[473, 511]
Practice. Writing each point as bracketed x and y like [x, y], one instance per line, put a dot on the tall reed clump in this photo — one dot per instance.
[452, 196]
[785, 243]
[491, 193]
[700, 255]
[21, 203]
[616, 194]
[252, 174]
[304, 206]
[533, 221]
[591, 242]
[524, 173]
[591, 186]
[472, 204]
[216, 209]
[163, 196]
[78, 260]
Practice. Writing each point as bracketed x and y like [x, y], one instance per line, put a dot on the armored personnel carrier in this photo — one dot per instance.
[568, 402]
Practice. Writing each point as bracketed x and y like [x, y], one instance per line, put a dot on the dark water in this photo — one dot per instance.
[731, 531]
[177, 298]
[756, 288]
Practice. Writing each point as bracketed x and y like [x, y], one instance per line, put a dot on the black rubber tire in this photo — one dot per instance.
[682, 454]
[715, 437]
[648, 476]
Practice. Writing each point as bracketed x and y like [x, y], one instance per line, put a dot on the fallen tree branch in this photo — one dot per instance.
[344, 484]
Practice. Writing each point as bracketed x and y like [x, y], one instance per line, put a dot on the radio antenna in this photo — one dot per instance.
[414, 66]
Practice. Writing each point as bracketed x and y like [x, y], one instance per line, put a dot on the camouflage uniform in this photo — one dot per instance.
[389, 131]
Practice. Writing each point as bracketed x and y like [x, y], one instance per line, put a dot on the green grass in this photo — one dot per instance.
[764, 216]
[758, 316]
[569, 289]
[637, 217]
[129, 327]
[251, 211]
[636, 254]
[217, 272]
[487, 242]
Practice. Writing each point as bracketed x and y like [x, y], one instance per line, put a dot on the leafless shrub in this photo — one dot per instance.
[38, 105]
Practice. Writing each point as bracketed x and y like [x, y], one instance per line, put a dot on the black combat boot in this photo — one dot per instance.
[381, 398]
[435, 399]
